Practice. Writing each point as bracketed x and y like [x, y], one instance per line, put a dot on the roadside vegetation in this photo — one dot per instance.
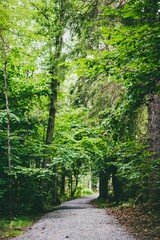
[15, 226]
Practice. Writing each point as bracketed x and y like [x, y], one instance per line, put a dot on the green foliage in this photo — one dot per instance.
[128, 60]
[111, 53]
[134, 170]
[80, 192]
[129, 57]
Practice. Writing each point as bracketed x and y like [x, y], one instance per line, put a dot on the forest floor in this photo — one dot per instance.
[77, 220]
[143, 220]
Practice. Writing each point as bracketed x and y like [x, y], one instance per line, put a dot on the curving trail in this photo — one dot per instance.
[77, 220]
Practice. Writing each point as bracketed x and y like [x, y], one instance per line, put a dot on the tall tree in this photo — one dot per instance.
[4, 49]
[154, 142]
[152, 18]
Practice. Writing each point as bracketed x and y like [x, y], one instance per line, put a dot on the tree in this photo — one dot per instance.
[98, 120]
[129, 59]
[26, 88]
[4, 49]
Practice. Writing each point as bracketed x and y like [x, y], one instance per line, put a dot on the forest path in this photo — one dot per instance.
[77, 220]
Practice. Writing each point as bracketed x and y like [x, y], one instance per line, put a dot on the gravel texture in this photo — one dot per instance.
[77, 220]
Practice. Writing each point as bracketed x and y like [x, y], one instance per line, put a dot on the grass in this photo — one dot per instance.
[14, 227]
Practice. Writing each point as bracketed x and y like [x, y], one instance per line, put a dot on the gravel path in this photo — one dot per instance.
[77, 220]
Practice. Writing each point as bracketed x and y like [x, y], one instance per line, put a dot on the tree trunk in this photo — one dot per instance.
[103, 185]
[63, 183]
[117, 190]
[8, 119]
[154, 141]
[55, 59]
[71, 185]
[52, 110]
[54, 191]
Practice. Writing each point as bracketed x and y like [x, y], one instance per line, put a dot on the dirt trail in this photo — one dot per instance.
[77, 220]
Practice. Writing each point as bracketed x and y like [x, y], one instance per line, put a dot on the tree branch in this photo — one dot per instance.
[34, 5]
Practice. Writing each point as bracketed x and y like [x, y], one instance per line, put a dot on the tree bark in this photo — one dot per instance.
[117, 190]
[52, 111]
[154, 141]
[103, 185]
[63, 183]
